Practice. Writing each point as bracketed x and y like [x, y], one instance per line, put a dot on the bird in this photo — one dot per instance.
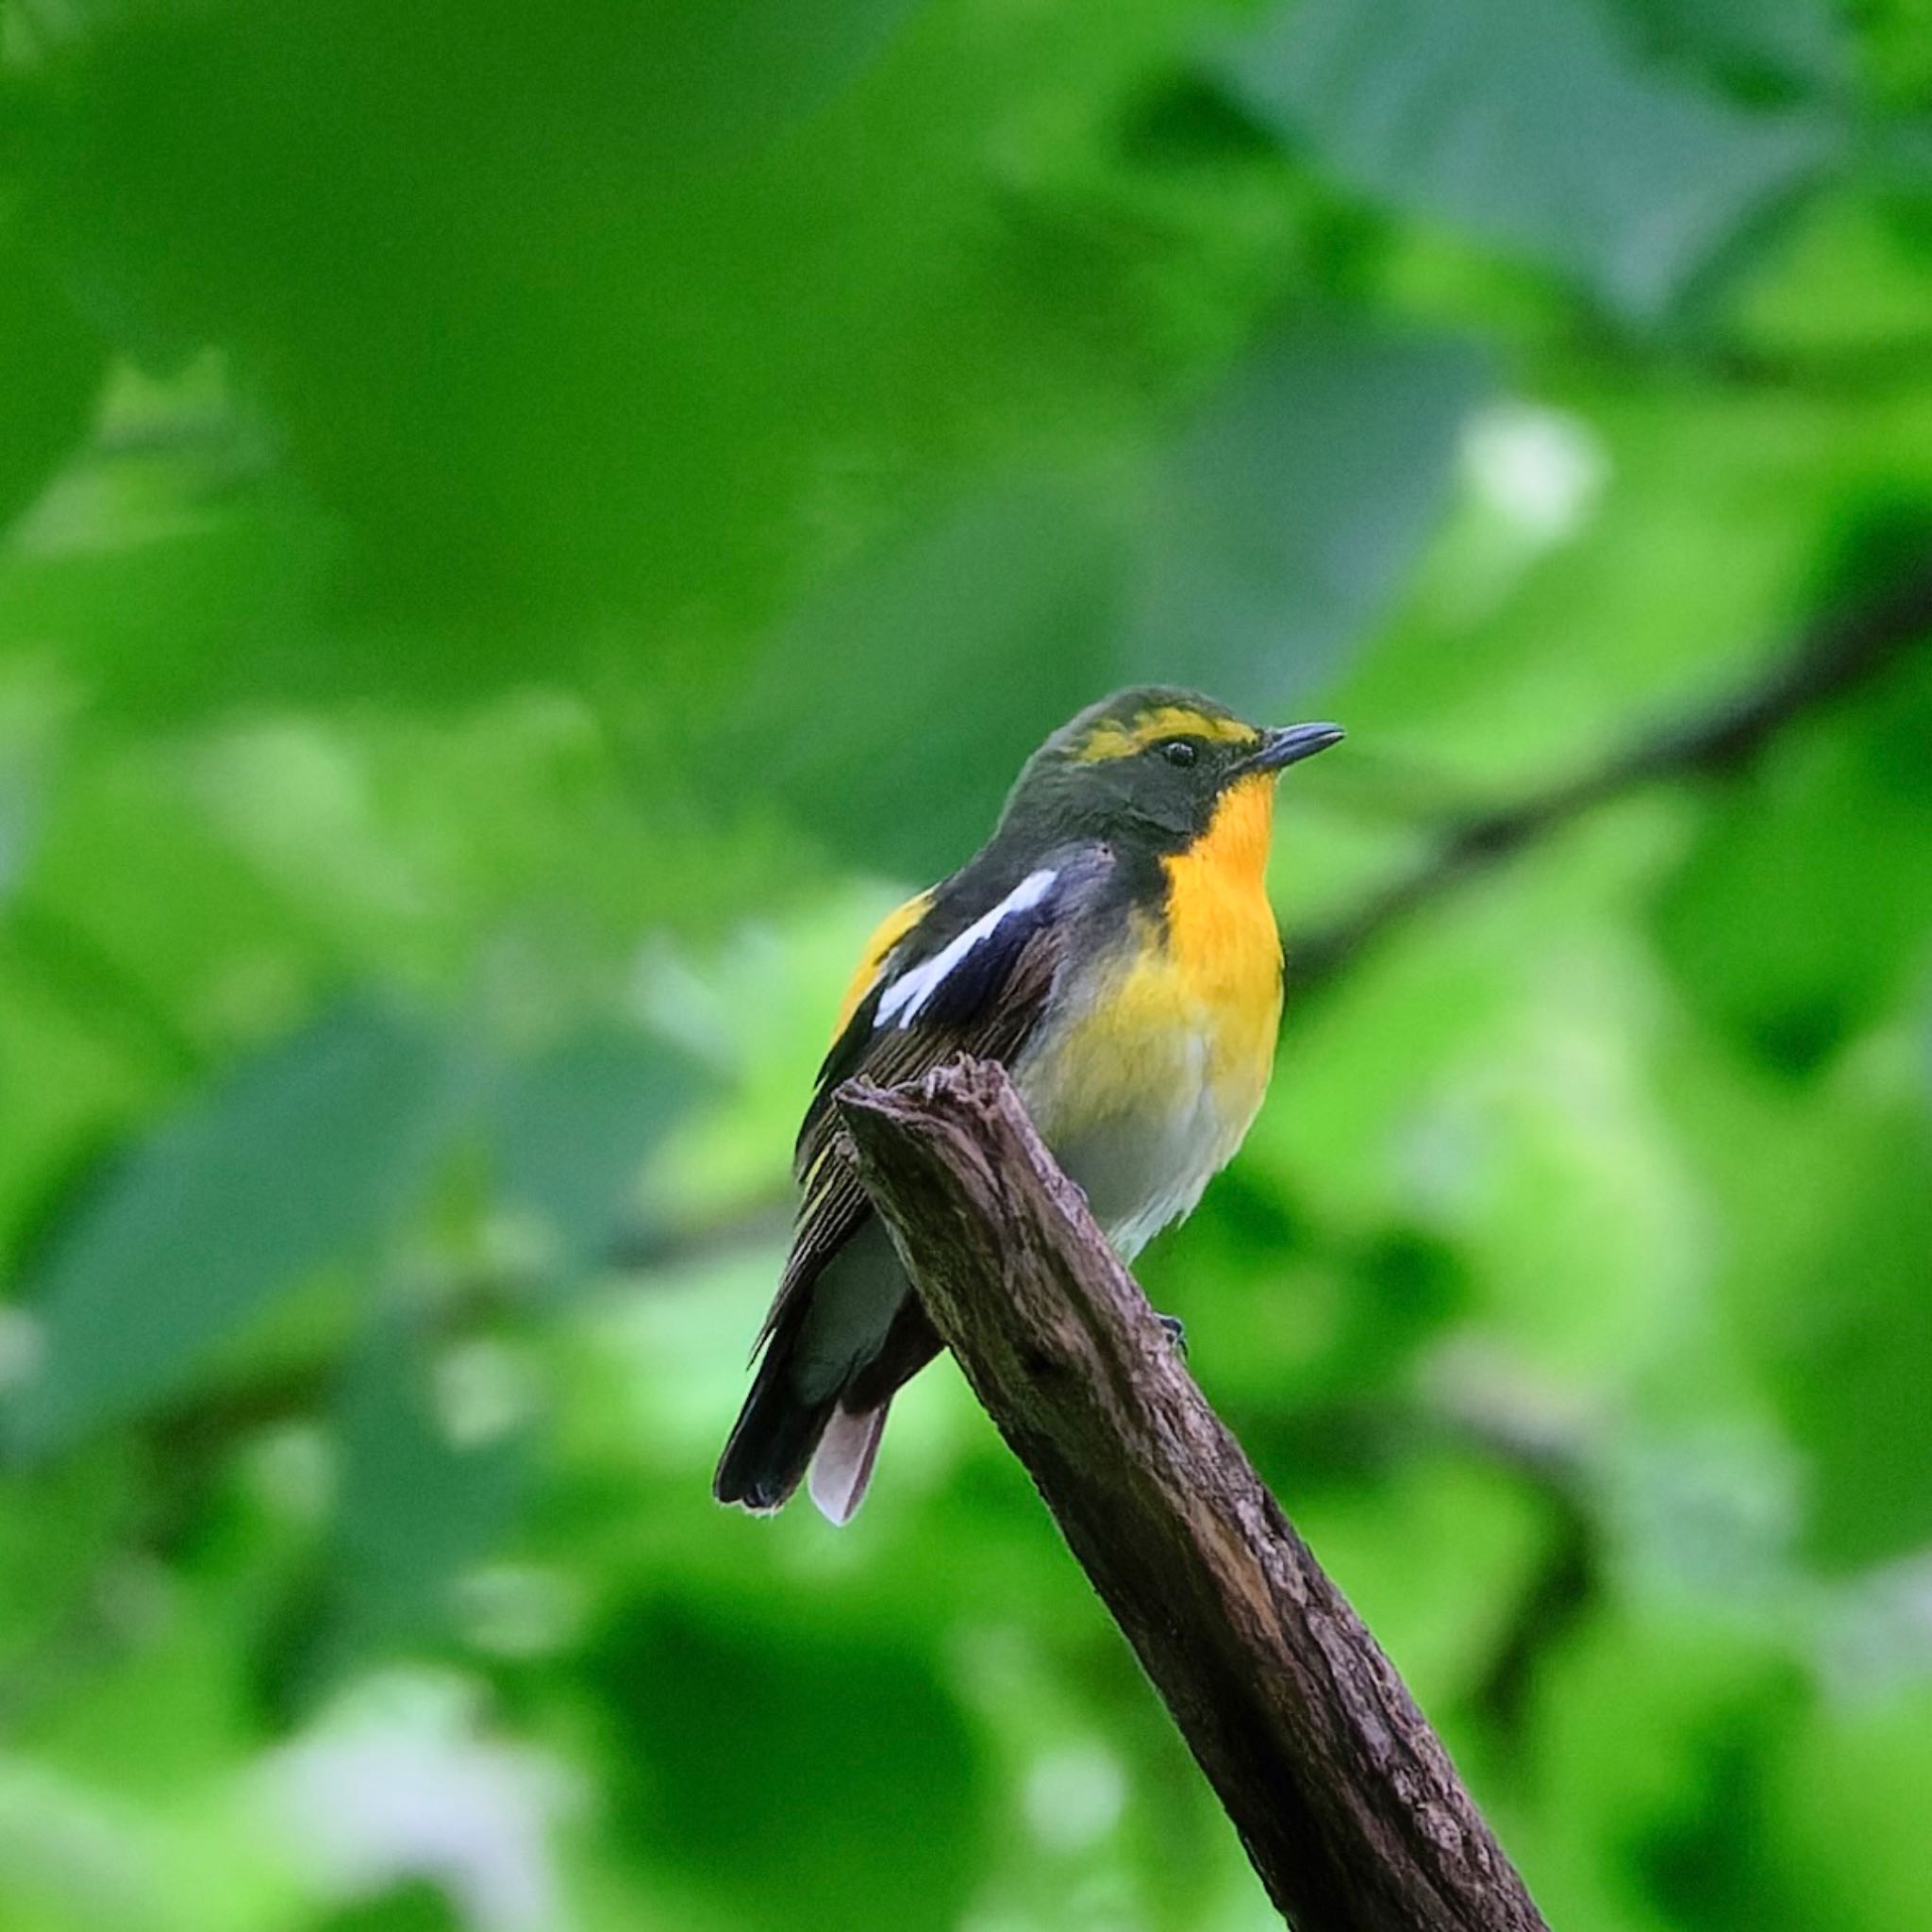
[1113, 946]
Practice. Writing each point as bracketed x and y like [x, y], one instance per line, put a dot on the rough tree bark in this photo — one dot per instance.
[1343, 1795]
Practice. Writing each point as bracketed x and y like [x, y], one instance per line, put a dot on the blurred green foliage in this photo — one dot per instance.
[525, 529]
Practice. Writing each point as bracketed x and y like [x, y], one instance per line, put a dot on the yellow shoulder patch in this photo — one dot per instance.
[886, 934]
[1113, 740]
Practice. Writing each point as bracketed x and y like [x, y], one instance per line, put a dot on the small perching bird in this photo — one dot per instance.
[1112, 946]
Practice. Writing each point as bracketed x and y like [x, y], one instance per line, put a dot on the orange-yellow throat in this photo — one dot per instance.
[1220, 931]
[1219, 926]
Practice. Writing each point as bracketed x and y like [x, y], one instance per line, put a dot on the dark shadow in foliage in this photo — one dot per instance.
[484, 264]
[51, 365]
[1189, 121]
[1779, 931]
[1712, 1864]
[1774, 54]
[810, 1779]
[417, 1906]
[1406, 1286]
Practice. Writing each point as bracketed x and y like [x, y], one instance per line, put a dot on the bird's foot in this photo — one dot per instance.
[1177, 1332]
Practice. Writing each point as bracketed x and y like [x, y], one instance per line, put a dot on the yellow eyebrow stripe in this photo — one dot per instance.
[1116, 740]
[889, 932]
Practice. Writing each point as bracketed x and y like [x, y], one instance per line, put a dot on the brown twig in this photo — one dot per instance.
[1844, 648]
[1343, 1795]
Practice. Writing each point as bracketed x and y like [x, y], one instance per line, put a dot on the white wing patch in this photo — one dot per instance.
[903, 999]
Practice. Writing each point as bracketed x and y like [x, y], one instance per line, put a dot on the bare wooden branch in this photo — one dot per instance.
[1343, 1795]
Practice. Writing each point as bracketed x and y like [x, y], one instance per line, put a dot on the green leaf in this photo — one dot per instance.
[303, 1157]
[1259, 541]
[1500, 117]
[1289, 509]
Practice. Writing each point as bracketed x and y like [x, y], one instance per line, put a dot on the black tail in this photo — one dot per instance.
[773, 1439]
[858, 1311]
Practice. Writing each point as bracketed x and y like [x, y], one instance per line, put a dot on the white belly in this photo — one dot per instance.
[1145, 1163]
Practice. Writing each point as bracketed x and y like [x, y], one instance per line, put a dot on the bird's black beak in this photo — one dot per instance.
[1289, 744]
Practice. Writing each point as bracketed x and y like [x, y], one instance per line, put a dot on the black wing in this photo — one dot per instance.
[972, 976]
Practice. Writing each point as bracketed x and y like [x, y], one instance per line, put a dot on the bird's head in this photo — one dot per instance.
[1153, 765]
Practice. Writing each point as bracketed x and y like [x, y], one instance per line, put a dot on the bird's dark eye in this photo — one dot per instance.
[1180, 751]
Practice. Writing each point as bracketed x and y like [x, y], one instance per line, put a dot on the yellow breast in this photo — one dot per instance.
[1194, 1006]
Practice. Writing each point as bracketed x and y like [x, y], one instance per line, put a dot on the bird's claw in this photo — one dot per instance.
[1177, 1332]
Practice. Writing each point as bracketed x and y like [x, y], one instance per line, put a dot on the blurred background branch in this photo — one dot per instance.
[1844, 648]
